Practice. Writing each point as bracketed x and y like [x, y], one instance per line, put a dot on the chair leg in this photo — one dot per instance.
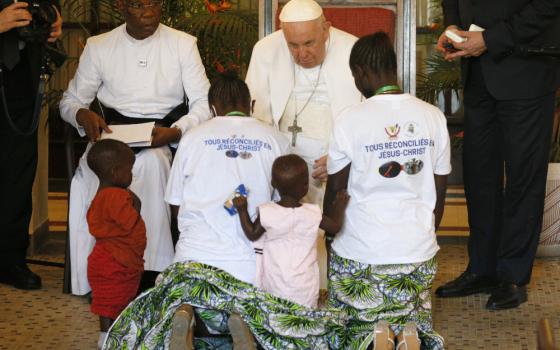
[67, 279]
[545, 336]
[70, 168]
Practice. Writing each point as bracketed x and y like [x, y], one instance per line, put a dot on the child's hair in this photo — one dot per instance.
[107, 154]
[374, 51]
[229, 90]
[285, 171]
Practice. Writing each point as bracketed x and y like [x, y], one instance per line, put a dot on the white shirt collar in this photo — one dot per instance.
[142, 42]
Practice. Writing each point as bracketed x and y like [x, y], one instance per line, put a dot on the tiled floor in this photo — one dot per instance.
[48, 319]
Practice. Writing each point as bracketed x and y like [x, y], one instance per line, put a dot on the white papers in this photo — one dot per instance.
[475, 28]
[134, 135]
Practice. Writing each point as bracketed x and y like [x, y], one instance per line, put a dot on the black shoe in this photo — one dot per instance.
[466, 284]
[20, 277]
[507, 296]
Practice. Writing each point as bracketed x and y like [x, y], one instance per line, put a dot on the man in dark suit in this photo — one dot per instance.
[20, 68]
[509, 103]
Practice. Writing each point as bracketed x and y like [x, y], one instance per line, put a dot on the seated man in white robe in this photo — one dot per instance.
[300, 80]
[140, 71]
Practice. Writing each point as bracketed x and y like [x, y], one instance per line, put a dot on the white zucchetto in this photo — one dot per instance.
[300, 11]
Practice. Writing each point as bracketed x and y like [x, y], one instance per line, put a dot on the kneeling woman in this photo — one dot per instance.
[391, 153]
[215, 263]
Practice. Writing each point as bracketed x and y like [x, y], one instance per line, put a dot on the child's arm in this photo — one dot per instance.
[441, 188]
[136, 203]
[253, 231]
[333, 223]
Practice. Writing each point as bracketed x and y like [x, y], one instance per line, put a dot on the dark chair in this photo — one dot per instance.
[359, 21]
[71, 164]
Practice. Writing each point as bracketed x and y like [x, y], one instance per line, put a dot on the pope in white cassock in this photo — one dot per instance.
[140, 71]
[300, 79]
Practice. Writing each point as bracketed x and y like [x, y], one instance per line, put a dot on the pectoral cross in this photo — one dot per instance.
[294, 129]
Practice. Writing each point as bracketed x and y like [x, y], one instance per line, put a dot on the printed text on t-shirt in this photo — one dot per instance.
[393, 149]
[238, 144]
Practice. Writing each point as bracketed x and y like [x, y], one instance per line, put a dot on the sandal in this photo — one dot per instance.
[182, 329]
[240, 333]
[384, 336]
[408, 338]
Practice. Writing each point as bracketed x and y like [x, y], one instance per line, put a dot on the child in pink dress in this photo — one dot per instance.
[287, 231]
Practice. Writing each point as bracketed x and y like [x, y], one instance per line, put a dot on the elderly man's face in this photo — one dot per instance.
[142, 17]
[306, 41]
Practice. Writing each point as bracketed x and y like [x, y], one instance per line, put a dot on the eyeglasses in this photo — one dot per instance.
[136, 5]
[393, 169]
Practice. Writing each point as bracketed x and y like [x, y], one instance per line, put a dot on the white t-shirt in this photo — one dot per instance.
[395, 144]
[212, 160]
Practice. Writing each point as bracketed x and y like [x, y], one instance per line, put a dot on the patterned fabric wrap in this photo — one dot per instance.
[113, 285]
[369, 293]
[276, 323]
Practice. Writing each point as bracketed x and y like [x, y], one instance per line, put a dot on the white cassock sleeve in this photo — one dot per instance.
[257, 81]
[195, 84]
[82, 89]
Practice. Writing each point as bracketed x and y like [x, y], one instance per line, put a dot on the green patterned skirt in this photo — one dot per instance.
[276, 323]
[369, 293]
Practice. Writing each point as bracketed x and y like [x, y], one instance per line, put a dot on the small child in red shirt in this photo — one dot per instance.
[116, 263]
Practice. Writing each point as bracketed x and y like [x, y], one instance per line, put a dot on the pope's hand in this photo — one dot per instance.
[56, 28]
[320, 169]
[92, 123]
[13, 16]
[163, 136]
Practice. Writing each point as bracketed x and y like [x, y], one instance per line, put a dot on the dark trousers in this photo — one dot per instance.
[18, 161]
[506, 149]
